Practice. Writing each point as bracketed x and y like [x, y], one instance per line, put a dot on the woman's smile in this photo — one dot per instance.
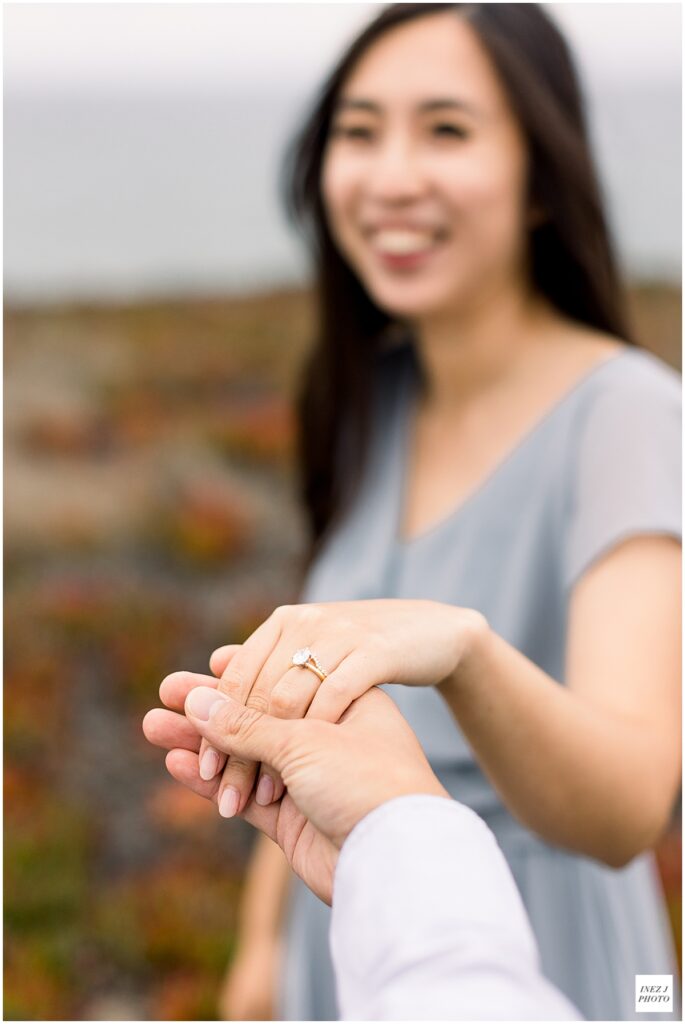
[405, 248]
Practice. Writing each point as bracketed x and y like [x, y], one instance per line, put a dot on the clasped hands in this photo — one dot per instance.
[219, 729]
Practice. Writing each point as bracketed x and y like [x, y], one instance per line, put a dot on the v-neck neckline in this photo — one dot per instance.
[407, 422]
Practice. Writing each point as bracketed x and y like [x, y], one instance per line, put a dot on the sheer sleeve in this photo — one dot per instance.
[627, 474]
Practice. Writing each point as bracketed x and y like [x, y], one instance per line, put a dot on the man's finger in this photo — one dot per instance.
[245, 732]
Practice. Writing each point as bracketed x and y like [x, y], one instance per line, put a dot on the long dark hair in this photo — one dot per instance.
[571, 258]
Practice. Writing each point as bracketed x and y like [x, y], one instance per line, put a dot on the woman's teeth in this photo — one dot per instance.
[400, 243]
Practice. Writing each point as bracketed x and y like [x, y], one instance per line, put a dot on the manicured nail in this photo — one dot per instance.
[209, 765]
[265, 791]
[201, 700]
[228, 804]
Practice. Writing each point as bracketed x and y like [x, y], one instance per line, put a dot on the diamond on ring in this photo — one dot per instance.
[302, 656]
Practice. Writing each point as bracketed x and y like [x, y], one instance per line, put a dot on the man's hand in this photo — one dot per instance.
[334, 774]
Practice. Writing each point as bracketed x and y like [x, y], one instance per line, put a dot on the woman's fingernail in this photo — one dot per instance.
[201, 700]
[265, 791]
[209, 765]
[229, 802]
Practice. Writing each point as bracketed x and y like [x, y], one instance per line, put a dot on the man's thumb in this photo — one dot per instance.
[230, 726]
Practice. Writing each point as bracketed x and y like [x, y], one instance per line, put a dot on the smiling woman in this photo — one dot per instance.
[446, 180]
[490, 469]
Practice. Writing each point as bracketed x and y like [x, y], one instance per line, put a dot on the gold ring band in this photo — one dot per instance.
[319, 671]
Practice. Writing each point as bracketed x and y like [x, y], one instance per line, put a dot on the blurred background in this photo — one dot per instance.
[156, 309]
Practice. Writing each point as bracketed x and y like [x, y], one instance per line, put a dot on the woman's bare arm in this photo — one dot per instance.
[594, 765]
[266, 886]
[249, 988]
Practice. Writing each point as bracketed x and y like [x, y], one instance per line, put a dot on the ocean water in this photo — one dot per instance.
[127, 196]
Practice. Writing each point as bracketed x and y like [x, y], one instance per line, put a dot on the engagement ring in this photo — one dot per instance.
[305, 658]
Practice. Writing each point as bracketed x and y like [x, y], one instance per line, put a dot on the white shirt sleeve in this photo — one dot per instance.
[428, 923]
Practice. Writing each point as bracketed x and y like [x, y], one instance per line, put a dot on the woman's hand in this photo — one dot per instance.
[359, 644]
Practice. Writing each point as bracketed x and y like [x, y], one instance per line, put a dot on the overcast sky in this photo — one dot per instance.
[134, 45]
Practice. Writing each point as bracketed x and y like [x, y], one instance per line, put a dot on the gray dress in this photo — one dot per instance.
[602, 465]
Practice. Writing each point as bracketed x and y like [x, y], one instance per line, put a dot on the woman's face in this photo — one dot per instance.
[425, 170]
